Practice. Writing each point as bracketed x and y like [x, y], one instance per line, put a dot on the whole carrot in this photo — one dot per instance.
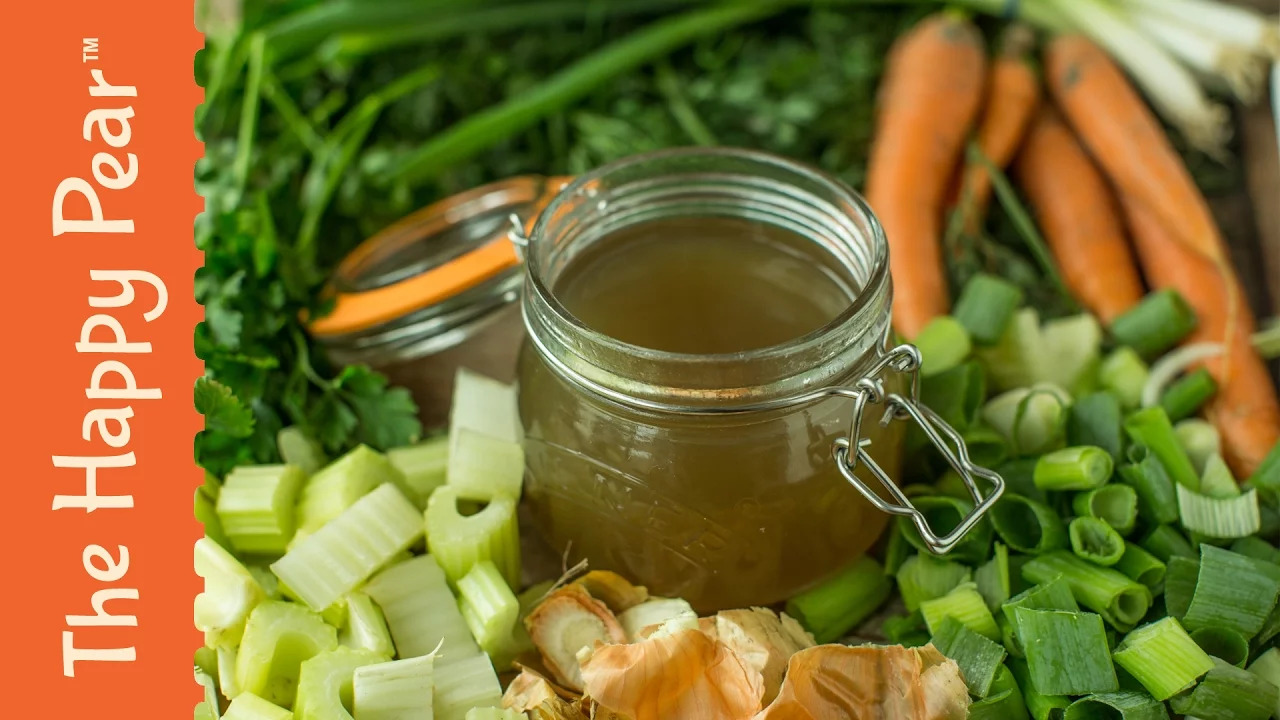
[1245, 409]
[929, 98]
[1079, 217]
[1013, 90]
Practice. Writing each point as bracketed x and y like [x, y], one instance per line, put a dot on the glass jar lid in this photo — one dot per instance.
[424, 283]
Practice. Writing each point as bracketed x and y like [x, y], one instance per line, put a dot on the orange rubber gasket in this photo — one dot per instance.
[361, 310]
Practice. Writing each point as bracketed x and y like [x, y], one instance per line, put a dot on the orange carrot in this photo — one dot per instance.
[1245, 410]
[929, 98]
[1079, 217]
[1012, 93]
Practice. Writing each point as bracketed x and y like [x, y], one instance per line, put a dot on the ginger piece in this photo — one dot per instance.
[613, 590]
[764, 641]
[566, 622]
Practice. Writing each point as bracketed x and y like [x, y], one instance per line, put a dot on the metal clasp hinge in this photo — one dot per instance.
[870, 391]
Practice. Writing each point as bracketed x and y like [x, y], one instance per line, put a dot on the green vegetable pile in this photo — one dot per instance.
[1124, 572]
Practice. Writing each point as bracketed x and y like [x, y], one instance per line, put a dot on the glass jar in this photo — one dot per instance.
[707, 477]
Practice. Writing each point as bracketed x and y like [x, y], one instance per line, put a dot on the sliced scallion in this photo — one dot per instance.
[836, 606]
[992, 578]
[1114, 504]
[944, 343]
[1212, 517]
[1256, 548]
[944, 515]
[896, 551]
[1124, 705]
[925, 577]
[1140, 565]
[1151, 427]
[1157, 501]
[1039, 705]
[906, 630]
[1096, 420]
[1028, 526]
[1009, 637]
[1185, 396]
[1216, 480]
[1229, 693]
[955, 394]
[1267, 667]
[985, 306]
[1223, 643]
[1199, 439]
[1052, 595]
[1084, 467]
[1232, 591]
[978, 657]
[1066, 652]
[1162, 657]
[1005, 701]
[1121, 601]
[1095, 541]
[1033, 419]
[1124, 374]
[1155, 324]
[1268, 473]
[964, 604]
[1166, 542]
[1180, 584]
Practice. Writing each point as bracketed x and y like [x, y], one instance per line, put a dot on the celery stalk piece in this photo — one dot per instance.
[325, 683]
[269, 582]
[336, 613]
[463, 684]
[339, 485]
[300, 451]
[482, 405]
[251, 707]
[654, 611]
[344, 553]
[420, 609]
[230, 594]
[483, 467]
[256, 507]
[490, 610]
[204, 711]
[209, 706]
[277, 639]
[207, 660]
[366, 627]
[459, 542]
[227, 672]
[206, 510]
[423, 467]
[493, 714]
[1032, 419]
[399, 690]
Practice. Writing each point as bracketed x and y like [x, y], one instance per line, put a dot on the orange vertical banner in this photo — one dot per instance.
[98, 364]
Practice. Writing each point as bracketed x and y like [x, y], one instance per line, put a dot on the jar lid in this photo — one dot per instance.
[444, 262]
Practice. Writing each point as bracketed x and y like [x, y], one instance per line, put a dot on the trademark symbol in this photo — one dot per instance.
[89, 49]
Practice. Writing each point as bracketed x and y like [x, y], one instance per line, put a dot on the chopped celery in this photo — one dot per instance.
[420, 609]
[256, 507]
[299, 450]
[267, 579]
[423, 467]
[207, 660]
[654, 611]
[342, 554]
[483, 405]
[227, 672]
[210, 705]
[336, 613]
[366, 627]
[324, 683]
[399, 690]
[277, 639]
[230, 594]
[206, 510]
[340, 484]
[490, 610]
[1032, 419]
[458, 542]
[462, 684]
[483, 467]
[251, 707]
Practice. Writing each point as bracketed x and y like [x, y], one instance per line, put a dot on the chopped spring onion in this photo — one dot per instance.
[1232, 591]
[1268, 473]
[1066, 651]
[1199, 439]
[955, 394]
[399, 690]
[1269, 630]
[422, 466]
[1219, 517]
[1071, 350]
[925, 577]
[1180, 584]
[992, 578]
[420, 609]
[1157, 501]
[1041, 706]
[1165, 542]
[366, 627]
[1229, 693]
[979, 658]
[1124, 374]
[1052, 595]
[483, 467]
[1167, 368]
[1124, 705]
[462, 684]
[838, 605]
[1096, 420]
[1009, 637]
[1216, 480]
[344, 553]
[987, 448]
[484, 405]
[1139, 565]
[964, 604]
[300, 451]
[277, 639]
[896, 551]
[248, 706]
[1016, 360]
[1075, 468]
[230, 594]
[227, 672]
[1162, 657]
[1267, 667]
[655, 611]
[1116, 505]
[1151, 427]
[1032, 419]
[1161, 320]
[325, 680]
[985, 306]
[490, 610]
[906, 630]
[1121, 601]
[1095, 541]
[1028, 526]
[943, 515]
[1256, 548]
[458, 542]
[1237, 25]
[1184, 398]
[1005, 701]
[944, 343]
[1223, 643]
[1019, 477]
[340, 484]
[255, 507]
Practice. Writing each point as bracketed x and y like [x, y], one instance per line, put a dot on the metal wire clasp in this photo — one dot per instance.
[870, 391]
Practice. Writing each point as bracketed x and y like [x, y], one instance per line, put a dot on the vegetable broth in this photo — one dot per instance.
[724, 511]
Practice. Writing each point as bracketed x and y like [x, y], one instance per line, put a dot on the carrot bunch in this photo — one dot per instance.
[1097, 169]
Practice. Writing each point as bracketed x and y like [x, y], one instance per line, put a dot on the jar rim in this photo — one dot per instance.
[584, 185]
